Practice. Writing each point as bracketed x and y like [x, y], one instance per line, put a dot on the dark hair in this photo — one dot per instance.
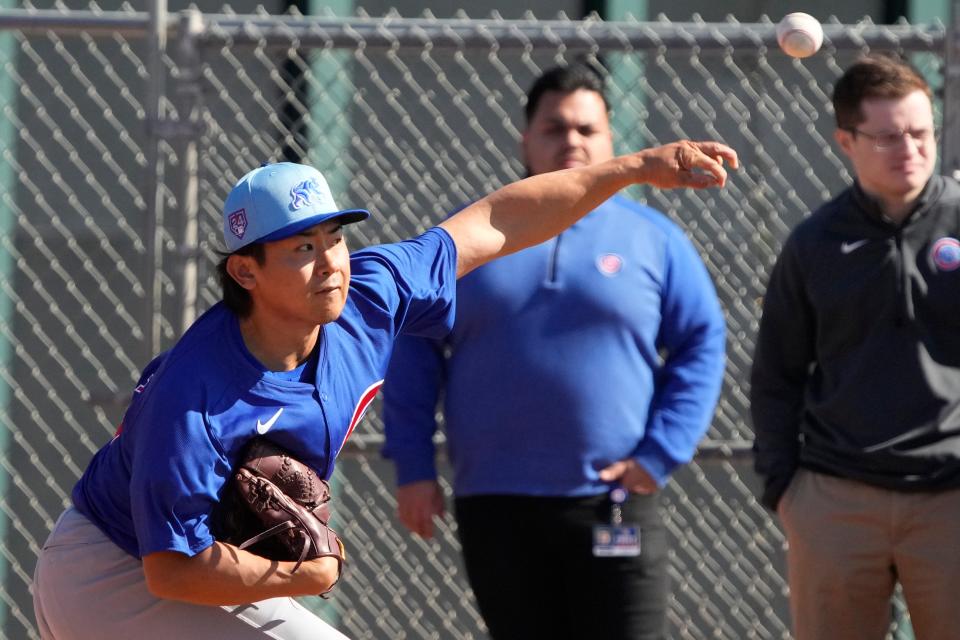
[565, 80]
[877, 75]
[236, 297]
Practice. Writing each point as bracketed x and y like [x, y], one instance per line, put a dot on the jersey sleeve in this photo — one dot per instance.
[692, 336]
[177, 471]
[412, 283]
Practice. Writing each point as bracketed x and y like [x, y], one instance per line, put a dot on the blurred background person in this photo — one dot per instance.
[856, 376]
[581, 372]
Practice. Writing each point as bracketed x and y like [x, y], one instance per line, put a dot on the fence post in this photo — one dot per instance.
[156, 46]
[187, 96]
[950, 156]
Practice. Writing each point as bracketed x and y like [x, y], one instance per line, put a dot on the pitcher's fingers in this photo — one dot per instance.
[709, 171]
[690, 157]
[696, 180]
[718, 150]
[709, 162]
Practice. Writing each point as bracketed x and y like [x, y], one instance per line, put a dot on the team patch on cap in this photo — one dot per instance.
[302, 194]
[609, 264]
[238, 222]
[945, 254]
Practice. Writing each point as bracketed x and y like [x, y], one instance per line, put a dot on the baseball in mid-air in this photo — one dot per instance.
[799, 34]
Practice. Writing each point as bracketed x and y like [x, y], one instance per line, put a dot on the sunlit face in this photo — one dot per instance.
[895, 175]
[567, 130]
[304, 277]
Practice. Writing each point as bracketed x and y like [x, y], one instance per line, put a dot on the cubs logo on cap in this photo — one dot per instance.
[302, 195]
[276, 201]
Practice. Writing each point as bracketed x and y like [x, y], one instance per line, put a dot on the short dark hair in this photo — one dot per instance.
[877, 75]
[565, 79]
[236, 297]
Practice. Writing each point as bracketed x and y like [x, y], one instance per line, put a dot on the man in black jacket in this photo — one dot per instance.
[856, 378]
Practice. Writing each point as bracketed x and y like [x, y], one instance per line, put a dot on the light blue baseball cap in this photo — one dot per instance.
[276, 201]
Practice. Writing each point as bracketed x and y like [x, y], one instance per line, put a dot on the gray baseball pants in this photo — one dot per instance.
[86, 587]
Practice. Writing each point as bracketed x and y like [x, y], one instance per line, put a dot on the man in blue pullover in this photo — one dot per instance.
[579, 374]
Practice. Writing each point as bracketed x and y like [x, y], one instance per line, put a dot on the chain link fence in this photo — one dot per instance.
[123, 131]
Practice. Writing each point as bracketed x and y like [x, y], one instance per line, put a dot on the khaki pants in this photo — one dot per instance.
[848, 544]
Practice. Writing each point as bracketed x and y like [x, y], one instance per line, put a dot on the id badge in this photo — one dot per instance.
[615, 541]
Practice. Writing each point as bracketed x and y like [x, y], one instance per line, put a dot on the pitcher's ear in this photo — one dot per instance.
[240, 268]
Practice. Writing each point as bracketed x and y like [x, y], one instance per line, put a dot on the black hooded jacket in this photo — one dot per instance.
[857, 365]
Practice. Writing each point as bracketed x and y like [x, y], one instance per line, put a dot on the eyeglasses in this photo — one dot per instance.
[893, 139]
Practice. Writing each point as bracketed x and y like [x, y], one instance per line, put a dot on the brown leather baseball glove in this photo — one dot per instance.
[277, 507]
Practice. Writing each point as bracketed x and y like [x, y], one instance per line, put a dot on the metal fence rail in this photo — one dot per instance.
[123, 131]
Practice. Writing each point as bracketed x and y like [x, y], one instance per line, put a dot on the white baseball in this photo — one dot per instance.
[799, 34]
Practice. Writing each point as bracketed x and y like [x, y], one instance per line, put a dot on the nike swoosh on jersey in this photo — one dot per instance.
[850, 247]
[263, 427]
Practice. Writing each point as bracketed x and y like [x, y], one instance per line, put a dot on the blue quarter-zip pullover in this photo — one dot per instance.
[604, 343]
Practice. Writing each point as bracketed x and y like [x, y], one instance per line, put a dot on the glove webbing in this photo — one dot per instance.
[265, 498]
[280, 528]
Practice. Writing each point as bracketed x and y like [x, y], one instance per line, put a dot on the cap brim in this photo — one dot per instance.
[347, 216]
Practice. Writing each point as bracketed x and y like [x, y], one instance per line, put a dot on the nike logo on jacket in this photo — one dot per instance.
[850, 247]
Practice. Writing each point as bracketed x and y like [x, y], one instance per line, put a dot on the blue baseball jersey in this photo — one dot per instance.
[153, 487]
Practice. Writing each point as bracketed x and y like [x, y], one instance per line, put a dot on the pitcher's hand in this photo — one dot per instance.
[687, 164]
